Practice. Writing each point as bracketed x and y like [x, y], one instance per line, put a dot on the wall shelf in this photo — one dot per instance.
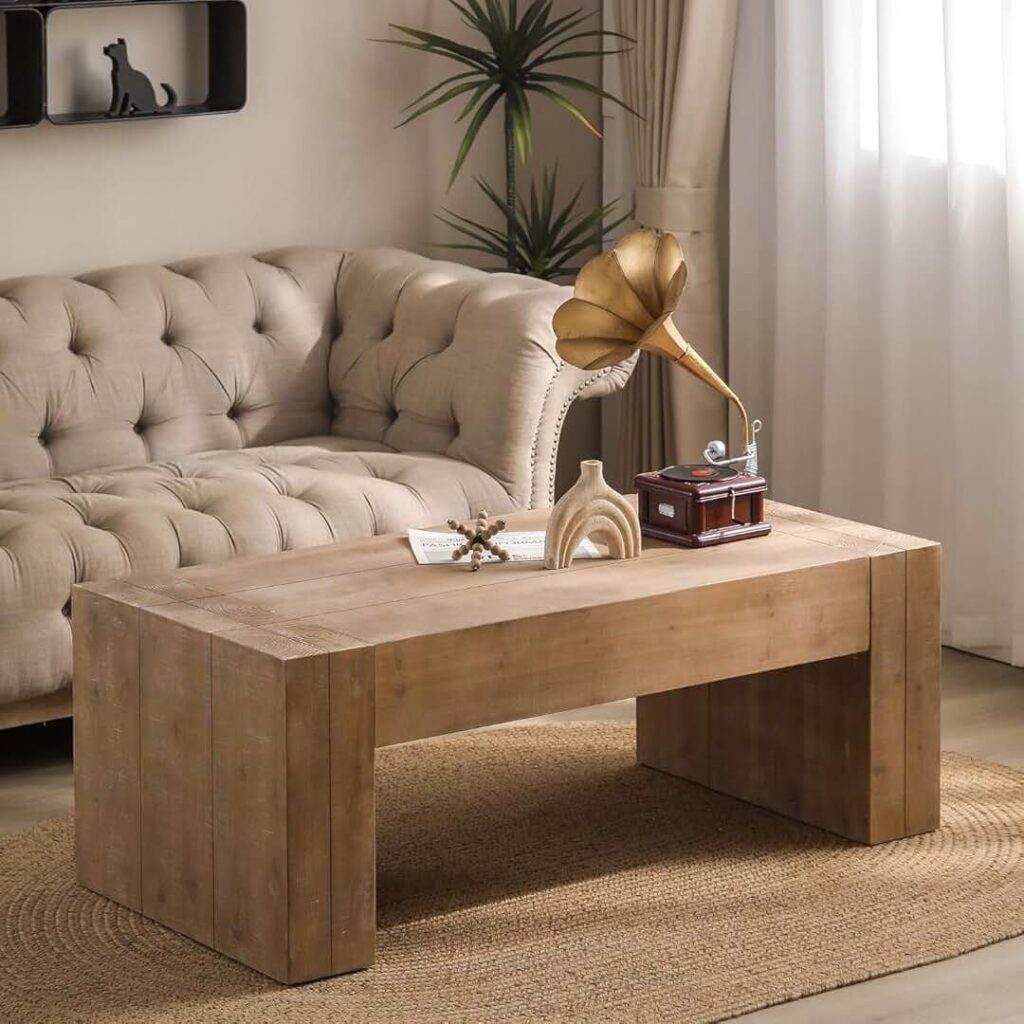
[26, 64]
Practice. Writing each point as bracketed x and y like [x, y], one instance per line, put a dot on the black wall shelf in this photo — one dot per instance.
[25, 66]
[27, 72]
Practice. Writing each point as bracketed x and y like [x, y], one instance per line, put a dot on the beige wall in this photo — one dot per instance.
[312, 159]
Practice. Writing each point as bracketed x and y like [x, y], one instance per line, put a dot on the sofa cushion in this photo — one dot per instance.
[206, 508]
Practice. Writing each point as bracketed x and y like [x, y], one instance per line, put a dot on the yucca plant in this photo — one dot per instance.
[546, 240]
[515, 63]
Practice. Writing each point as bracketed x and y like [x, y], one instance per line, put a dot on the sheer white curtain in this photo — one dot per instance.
[877, 276]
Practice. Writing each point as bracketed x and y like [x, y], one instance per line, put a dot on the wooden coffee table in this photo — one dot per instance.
[226, 716]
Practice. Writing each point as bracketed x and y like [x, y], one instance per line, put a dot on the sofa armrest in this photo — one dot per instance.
[439, 357]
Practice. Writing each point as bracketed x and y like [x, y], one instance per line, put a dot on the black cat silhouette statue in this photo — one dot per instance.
[133, 91]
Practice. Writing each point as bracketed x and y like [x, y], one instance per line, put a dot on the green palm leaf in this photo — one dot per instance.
[440, 85]
[518, 44]
[545, 238]
[568, 105]
[471, 133]
[579, 83]
[456, 90]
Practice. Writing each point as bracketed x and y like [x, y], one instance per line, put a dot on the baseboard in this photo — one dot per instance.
[37, 709]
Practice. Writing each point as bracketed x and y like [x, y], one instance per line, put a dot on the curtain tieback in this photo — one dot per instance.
[681, 210]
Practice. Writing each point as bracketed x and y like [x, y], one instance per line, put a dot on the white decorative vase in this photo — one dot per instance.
[590, 508]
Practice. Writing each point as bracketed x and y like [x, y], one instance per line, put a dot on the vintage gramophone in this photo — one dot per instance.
[623, 301]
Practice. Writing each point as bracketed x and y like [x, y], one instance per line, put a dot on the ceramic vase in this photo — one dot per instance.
[591, 509]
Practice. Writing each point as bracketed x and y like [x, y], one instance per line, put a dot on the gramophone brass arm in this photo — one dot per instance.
[747, 437]
[721, 387]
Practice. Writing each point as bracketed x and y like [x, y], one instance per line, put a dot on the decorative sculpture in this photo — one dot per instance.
[623, 302]
[590, 508]
[478, 540]
[133, 91]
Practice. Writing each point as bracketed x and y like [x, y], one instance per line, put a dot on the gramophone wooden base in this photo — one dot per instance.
[701, 514]
[709, 538]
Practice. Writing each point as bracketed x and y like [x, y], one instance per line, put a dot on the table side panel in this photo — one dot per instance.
[673, 732]
[794, 740]
[529, 666]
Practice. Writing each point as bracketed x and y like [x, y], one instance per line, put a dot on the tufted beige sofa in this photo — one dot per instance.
[154, 417]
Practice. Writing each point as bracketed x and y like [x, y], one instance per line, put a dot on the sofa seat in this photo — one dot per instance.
[204, 508]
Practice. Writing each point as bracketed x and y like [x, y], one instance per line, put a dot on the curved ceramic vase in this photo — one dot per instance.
[590, 508]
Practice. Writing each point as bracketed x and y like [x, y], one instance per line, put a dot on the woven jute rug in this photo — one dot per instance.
[539, 874]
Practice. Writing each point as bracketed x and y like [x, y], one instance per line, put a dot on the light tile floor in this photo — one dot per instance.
[982, 714]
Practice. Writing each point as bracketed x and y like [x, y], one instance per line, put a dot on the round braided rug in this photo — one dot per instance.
[539, 874]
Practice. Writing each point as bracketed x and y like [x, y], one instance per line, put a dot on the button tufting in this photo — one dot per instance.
[233, 413]
[257, 326]
[138, 428]
[167, 338]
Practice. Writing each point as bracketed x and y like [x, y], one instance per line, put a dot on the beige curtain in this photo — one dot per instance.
[678, 77]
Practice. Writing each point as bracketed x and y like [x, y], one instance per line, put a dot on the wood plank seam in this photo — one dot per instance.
[923, 674]
[142, 859]
[288, 934]
[213, 797]
[906, 677]
[884, 815]
[824, 520]
[154, 586]
[330, 806]
[848, 545]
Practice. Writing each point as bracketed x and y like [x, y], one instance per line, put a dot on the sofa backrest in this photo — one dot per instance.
[439, 357]
[152, 363]
[148, 363]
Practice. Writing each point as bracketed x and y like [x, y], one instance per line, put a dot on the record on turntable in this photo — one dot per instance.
[701, 473]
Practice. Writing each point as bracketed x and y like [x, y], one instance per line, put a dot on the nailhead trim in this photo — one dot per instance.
[559, 423]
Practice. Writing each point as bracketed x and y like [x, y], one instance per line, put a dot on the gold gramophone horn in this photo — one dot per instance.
[623, 301]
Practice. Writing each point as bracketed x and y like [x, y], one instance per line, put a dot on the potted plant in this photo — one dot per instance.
[520, 57]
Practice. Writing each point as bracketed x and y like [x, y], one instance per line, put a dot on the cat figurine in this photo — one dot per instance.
[133, 91]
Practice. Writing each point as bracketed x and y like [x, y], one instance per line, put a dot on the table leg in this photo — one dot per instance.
[850, 745]
[225, 785]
